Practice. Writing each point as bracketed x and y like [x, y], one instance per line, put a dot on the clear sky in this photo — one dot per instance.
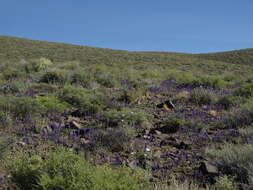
[136, 25]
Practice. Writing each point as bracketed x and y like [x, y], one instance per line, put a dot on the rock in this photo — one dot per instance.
[137, 145]
[168, 104]
[84, 141]
[47, 130]
[75, 125]
[20, 143]
[182, 145]
[157, 154]
[158, 132]
[208, 167]
[133, 164]
[168, 129]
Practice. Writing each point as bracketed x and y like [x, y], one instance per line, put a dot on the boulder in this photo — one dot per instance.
[207, 167]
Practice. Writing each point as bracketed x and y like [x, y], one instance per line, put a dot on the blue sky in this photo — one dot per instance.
[136, 25]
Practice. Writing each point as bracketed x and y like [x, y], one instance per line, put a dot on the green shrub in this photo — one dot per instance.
[179, 185]
[68, 171]
[13, 88]
[245, 90]
[130, 96]
[226, 102]
[51, 104]
[81, 78]
[212, 81]
[127, 116]
[235, 120]
[42, 88]
[187, 79]
[70, 65]
[234, 160]
[11, 72]
[114, 140]
[55, 77]
[37, 65]
[5, 118]
[20, 107]
[175, 122]
[106, 79]
[225, 183]
[86, 101]
[201, 96]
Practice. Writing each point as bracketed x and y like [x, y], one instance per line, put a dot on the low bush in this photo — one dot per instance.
[235, 120]
[37, 65]
[11, 72]
[130, 96]
[86, 101]
[80, 78]
[63, 169]
[51, 104]
[201, 96]
[201, 81]
[226, 102]
[41, 88]
[106, 79]
[245, 90]
[114, 140]
[55, 77]
[13, 88]
[234, 160]
[20, 107]
[126, 116]
[225, 183]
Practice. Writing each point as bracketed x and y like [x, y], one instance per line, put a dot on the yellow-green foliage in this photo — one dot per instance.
[225, 183]
[127, 115]
[37, 65]
[51, 104]
[65, 170]
[87, 101]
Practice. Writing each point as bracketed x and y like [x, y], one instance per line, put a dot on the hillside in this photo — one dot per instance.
[76, 117]
[244, 56]
[12, 48]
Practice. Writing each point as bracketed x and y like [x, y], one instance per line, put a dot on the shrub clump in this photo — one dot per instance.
[20, 107]
[234, 160]
[63, 169]
[86, 101]
[126, 116]
[51, 104]
[115, 140]
[238, 119]
[55, 77]
[245, 90]
[37, 65]
[226, 102]
[201, 96]
[80, 78]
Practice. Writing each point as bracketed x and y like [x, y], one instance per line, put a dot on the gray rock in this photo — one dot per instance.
[208, 167]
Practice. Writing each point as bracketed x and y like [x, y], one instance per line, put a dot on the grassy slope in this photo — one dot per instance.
[15, 49]
[138, 68]
[244, 56]
[12, 48]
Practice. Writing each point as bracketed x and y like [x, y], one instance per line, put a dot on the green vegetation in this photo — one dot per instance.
[76, 117]
[65, 170]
